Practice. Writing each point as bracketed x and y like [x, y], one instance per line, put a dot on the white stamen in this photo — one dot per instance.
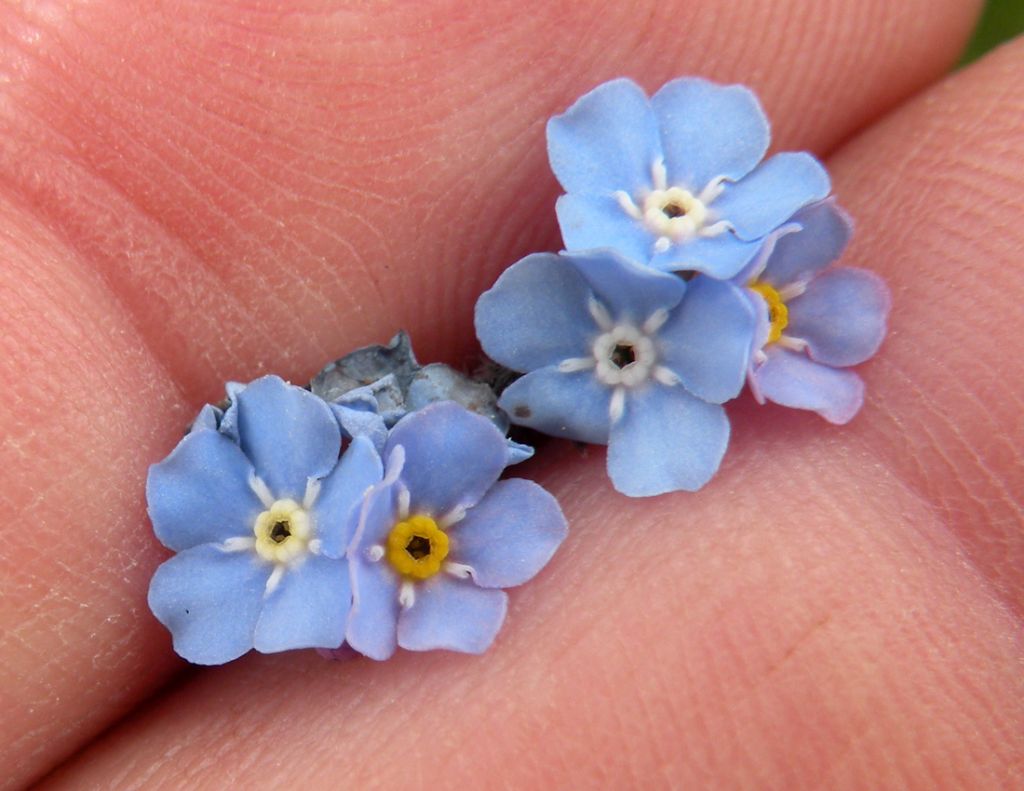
[407, 595]
[315, 546]
[628, 206]
[574, 364]
[274, 580]
[715, 229]
[712, 190]
[600, 314]
[403, 503]
[312, 490]
[617, 406]
[460, 570]
[238, 544]
[662, 244]
[456, 515]
[261, 490]
[666, 376]
[791, 343]
[792, 291]
[659, 175]
[375, 553]
[655, 321]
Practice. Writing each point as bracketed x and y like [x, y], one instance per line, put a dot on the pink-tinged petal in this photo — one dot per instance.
[825, 230]
[793, 380]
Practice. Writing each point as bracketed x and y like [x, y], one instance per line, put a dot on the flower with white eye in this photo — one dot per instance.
[814, 321]
[441, 536]
[619, 354]
[675, 181]
[260, 515]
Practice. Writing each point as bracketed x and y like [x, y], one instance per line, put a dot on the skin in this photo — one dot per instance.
[197, 192]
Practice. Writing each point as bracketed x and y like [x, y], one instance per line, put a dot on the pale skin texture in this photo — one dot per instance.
[195, 192]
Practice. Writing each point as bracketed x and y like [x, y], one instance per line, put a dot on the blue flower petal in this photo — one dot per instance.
[606, 141]
[720, 257]
[628, 290]
[452, 614]
[590, 222]
[452, 457]
[570, 405]
[825, 232]
[379, 510]
[517, 452]
[308, 609]
[842, 316]
[795, 381]
[341, 495]
[772, 193]
[207, 420]
[536, 314]
[200, 493]
[707, 341]
[229, 420]
[666, 440]
[709, 130]
[359, 422]
[289, 434]
[373, 620]
[210, 601]
[510, 535]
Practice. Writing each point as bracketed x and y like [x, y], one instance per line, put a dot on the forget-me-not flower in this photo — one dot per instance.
[440, 537]
[620, 354]
[676, 180]
[260, 518]
[813, 322]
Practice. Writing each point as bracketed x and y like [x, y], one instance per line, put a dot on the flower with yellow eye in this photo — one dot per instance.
[814, 321]
[259, 512]
[440, 536]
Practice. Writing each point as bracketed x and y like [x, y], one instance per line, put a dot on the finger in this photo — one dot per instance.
[806, 621]
[241, 188]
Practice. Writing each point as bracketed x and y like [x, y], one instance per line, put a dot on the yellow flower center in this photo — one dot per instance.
[282, 531]
[417, 547]
[778, 313]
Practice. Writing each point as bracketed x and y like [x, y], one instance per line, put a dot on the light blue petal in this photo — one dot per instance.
[709, 130]
[771, 194]
[210, 600]
[385, 394]
[517, 452]
[357, 422]
[842, 315]
[606, 141]
[590, 222]
[825, 232]
[667, 440]
[452, 457]
[628, 290]
[536, 314]
[208, 419]
[452, 614]
[573, 405]
[510, 535]
[373, 621]
[309, 608]
[795, 381]
[200, 493]
[338, 505]
[720, 257]
[707, 340]
[379, 511]
[229, 420]
[288, 433]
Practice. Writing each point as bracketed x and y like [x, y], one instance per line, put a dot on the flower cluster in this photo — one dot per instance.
[283, 541]
[692, 265]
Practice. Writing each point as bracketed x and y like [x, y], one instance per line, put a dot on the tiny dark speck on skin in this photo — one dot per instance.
[522, 411]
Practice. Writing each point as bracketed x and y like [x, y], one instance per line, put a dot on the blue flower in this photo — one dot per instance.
[439, 537]
[260, 524]
[674, 181]
[623, 355]
[813, 322]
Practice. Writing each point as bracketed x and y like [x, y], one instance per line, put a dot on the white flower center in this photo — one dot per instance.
[673, 214]
[283, 532]
[624, 356]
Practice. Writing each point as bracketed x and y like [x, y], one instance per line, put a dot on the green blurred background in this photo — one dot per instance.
[1001, 20]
